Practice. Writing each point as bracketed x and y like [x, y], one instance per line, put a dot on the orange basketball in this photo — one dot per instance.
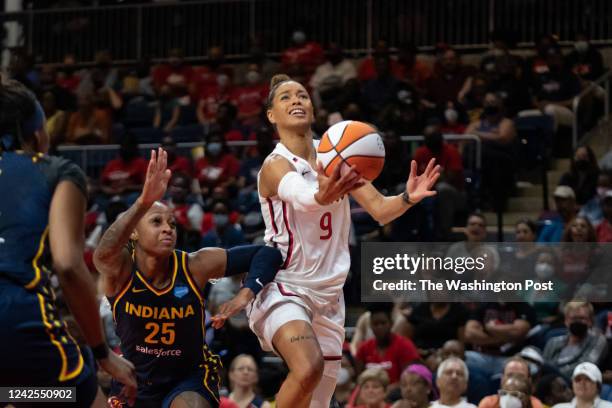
[352, 143]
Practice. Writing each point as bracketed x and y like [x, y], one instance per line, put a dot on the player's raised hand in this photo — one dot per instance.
[337, 185]
[420, 187]
[124, 372]
[157, 178]
[233, 307]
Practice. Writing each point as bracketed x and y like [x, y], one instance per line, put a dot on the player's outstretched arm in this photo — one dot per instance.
[111, 258]
[260, 262]
[279, 178]
[66, 224]
[386, 209]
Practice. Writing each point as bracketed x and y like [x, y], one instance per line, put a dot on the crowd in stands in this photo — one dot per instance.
[509, 355]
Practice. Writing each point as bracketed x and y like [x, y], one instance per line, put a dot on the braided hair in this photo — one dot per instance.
[17, 104]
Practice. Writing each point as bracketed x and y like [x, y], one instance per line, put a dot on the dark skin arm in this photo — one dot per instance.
[76, 282]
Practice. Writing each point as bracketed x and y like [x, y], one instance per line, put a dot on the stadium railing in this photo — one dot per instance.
[133, 32]
[594, 87]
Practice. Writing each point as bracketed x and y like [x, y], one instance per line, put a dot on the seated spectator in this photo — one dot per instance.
[56, 119]
[585, 60]
[176, 162]
[174, 71]
[565, 203]
[167, 109]
[302, 53]
[496, 331]
[218, 167]
[577, 260]
[604, 229]
[401, 114]
[586, 384]
[206, 76]
[372, 389]
[475, 234]
[553, 389]
[450, 199]
[187, 213]
[472, 96]
[510, 85]
[68, 76]
[525, 253]
[554, 90]
[251, 97]
[223, 234]
[330, 78]
[412, 70]
[212, 97]
[497, 134]
[547, 267]
[89, 124]
[448, 80]
[582, 176]
[65, 100]
[243, 377]
[582, 343]
[138, 82]
[452, 379]
[432, 324]
[367, 67]
[417, 388]
[21, 68]
[103, 75]
[451, 124]
[225, 123]
[593, 209]
[381, 90]
[501, 42]
[363, 327]
[515, 392]
[125, 175]
[386, 350]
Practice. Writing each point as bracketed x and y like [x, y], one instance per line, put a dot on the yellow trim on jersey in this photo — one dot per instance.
[170, 286]
[41, 249]
[194, 287]
[65, 375]
[120, 295]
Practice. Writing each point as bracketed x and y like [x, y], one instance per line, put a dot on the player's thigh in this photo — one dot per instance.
[189, 399]
[297, 344]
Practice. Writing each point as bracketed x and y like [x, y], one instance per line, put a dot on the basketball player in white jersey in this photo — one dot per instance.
[301, 314]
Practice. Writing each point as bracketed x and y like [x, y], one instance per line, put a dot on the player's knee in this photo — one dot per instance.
[309, 374]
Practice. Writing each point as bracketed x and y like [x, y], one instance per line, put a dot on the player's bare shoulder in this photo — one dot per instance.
[274, 168]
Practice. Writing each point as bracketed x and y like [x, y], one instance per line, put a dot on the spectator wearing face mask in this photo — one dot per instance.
[585, 60]
[218, 167]
[452, 124]
[581, 344]
[205, 76]
[302, 52]
[515, 392]
[212, 97]
[450, 198]
[250, 98]
[223, 234]
[586, 384]
[593, 209]
[582, 177]
[545, 303]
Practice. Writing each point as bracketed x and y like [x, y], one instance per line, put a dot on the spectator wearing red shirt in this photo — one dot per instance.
[67, 76]
[367, 68]
[386, 350]
[176, 162]
[303, 53]
[604, 230]
[211, 97]
[125, 175]
[449, 81]
[218, 167]
[450, 198]
[205, 76]
[250, 98]
[415, 72]
[174, 72]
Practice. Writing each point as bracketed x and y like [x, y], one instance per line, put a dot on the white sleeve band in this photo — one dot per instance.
[295, 190]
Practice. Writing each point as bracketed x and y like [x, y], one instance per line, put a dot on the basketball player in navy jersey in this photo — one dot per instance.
[42, 211]
[156, 295]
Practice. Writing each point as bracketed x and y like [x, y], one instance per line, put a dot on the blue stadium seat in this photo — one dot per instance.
[188, 133]
[138, 113]
[148, 134]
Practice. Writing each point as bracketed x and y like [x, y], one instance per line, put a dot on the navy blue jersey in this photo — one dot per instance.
[40, 349]
[162, 330]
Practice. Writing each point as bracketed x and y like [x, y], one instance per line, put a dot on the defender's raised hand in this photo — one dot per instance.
[419, 187]
[157, 178]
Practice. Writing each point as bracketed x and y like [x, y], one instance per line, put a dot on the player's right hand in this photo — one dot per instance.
[337, 185]
[124, 372]
[157, 178]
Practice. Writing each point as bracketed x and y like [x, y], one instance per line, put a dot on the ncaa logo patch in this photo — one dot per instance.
[180, 291]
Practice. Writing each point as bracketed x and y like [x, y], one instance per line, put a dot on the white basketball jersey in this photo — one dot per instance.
[314, 244]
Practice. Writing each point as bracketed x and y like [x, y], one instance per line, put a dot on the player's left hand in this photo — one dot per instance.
[233, 307]
[420, 187]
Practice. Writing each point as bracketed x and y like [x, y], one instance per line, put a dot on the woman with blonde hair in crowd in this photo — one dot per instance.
[243, 378]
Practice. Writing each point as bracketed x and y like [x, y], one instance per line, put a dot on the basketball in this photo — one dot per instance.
[352, 143]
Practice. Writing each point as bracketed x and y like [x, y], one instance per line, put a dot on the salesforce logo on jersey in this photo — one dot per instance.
[485, 272]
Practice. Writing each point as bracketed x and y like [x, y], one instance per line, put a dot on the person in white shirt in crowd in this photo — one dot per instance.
[452, 380]
[586, 384]
[332, 74]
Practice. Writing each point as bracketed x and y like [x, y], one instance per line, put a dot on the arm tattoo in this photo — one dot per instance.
[118, 234]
